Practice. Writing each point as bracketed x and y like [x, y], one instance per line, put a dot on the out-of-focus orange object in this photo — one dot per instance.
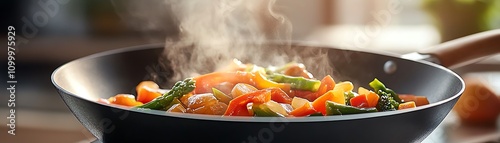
[478, 105]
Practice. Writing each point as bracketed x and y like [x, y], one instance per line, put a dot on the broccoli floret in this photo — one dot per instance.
[348, 95]
[386, 102]
[377, 85]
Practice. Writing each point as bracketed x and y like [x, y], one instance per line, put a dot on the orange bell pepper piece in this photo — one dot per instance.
[419, 100]
[125, 100]
[327, 84]
[147, 91]
[304, 110]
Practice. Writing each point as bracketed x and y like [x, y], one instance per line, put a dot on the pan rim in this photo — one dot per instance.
[257, 119]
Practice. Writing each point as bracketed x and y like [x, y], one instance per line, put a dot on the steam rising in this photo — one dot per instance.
[214, 32]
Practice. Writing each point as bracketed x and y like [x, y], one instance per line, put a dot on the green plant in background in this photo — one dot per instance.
[458, 18]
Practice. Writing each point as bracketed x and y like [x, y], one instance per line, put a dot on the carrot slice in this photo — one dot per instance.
[372, 99]
[327, 84]
[205, 83]
[407, 105]
[304, 110]
[419, 100]
[147, 91]
[362, 90]
[333, 95]
[279, 95]
[261, 83]
[125, 100]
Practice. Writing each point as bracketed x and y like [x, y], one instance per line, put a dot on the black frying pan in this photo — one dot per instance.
[83, 81]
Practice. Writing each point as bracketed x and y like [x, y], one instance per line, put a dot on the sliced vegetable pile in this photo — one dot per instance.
[251, 90]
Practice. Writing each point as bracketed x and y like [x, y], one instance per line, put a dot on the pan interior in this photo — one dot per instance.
[109, 73]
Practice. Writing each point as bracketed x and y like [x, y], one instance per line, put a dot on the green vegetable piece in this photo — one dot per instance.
[221, 96]
[262, 110]
[178, 90]
[386, 102]
[175, 101]
[379, 86]
[299, 83]
[333, 108]
[348, 95]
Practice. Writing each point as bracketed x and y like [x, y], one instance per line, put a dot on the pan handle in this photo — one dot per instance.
[462, 51]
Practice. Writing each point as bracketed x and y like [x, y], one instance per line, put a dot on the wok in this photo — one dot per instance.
[81, 82]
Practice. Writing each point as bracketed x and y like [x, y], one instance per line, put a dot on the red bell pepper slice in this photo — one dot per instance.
[238, 106]
[279, 95]
[419, 100]
[205, 83]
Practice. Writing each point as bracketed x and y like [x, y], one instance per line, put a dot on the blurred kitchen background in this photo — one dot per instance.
[76, 28]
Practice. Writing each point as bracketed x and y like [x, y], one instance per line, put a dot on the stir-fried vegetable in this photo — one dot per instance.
[124, 99]
[269, 109]
[221, 96]
[348, 96]
[379, 86]
[299, 83]
[147, 91]
[252, 90]
[333, 108]
[238, 106]
[180, 88]
[386, 102]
